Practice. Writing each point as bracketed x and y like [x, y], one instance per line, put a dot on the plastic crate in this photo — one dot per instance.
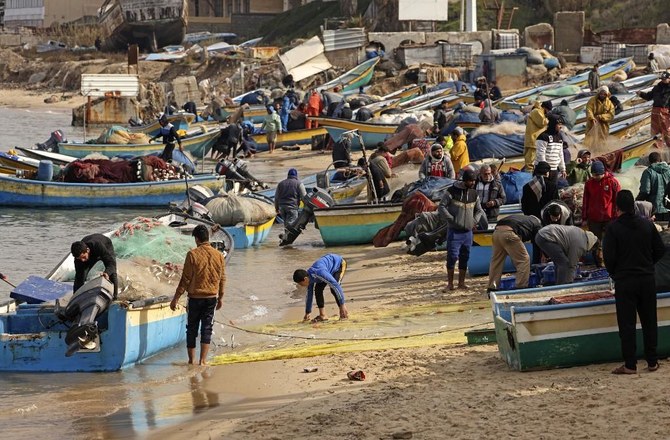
[639, 52]
[509, 283]
[613, 51]
[457, 54]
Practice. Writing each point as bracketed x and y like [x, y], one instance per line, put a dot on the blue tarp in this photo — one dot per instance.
[461, 117]
[432, 187]
[495, 145]
[36, 290]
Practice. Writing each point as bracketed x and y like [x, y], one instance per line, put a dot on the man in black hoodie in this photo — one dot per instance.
[631, 247]
[87, 252]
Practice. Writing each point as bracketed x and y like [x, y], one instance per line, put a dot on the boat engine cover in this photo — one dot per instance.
[198, 193]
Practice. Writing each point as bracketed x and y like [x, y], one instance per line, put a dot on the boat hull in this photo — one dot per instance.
[357, 77]
[346, 225]
[289, 138]
[129, 335]
[198, 146]
[371, 133]
[535, 337]
[37, 194]
[246, 236]
[180, 121]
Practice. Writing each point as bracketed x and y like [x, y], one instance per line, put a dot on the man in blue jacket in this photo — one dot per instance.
[327, 270]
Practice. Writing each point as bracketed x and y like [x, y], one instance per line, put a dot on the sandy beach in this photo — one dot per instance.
[430, 389]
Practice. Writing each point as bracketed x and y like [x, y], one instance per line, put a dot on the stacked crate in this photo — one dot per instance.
[457, 54]
[613, 51]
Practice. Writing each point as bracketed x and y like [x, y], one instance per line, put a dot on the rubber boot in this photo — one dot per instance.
[450, 279]
[461, 278]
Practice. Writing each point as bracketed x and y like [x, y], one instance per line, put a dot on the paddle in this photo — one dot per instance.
[4, 278]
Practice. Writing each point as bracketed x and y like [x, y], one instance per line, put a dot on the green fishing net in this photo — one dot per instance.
[148, 238]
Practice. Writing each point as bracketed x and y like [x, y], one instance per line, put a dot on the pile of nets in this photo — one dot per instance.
[143, 169]
[120, 136]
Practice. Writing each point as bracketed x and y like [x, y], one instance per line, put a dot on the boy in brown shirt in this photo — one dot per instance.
[204, 278]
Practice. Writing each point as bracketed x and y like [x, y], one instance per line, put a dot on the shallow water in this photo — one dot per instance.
[164, 390]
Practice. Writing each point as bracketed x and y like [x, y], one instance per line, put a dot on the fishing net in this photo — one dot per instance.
[119, 135]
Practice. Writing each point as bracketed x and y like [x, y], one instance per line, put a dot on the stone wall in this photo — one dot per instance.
[569, 32]
[538, 36]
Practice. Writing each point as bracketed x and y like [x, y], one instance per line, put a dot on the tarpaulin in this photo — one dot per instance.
[495, 145]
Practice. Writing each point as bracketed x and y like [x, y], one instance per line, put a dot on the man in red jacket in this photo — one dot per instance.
[599, 204]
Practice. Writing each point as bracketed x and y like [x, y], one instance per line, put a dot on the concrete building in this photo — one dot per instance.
[44, 13]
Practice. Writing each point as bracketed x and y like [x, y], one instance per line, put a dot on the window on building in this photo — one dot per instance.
[218, 8]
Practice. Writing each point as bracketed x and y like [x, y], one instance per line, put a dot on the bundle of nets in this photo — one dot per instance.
[149, 238]
[120, 136]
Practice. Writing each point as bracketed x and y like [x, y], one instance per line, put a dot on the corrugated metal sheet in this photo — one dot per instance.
[110, 84]
[344, 39]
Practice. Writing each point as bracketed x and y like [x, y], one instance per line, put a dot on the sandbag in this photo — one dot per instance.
[513, 182]
[534, 57]
[551, 63]
[120, 136]
[230, 210]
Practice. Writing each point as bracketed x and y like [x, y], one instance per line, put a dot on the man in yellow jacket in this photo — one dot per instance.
[536, 124]
[459, 152]
[599, 114]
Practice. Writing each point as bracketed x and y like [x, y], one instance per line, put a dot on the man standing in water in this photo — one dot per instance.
[204, 278]
[87, 252]
[170, 135]
[288, 196]
[327, 270]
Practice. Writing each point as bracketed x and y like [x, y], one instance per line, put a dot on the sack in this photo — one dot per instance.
[513, 182]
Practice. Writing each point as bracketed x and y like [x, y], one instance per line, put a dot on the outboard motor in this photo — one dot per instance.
[427, 241]
[51, 144]
[316, 198]
[237, 170]
[88, 302]
[199, 193]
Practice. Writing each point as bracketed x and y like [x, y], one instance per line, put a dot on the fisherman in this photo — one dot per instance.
[539, 191]
[346, 112]
[557, 212]
[314, 108]
[491, 193]
[652, 64]
[660, 113]
[599, 114]
[378, 186]
[489, 114]
[287, 106]
[594, 78]
[549, 148]
[87, 252]
[461, 209]
[341, 154]
[632, 247]
[481, 92]
[536, 123]
[566, 113]
[170, 135]
[459, 152]
[204, 278]
[598, 204]
[271, 126]
[495, 93]
[508, 238]
[328, 270]
[565, 245]
[580, 169]
[437, 163]
[440, 117]
[653, 184]
[290, 192]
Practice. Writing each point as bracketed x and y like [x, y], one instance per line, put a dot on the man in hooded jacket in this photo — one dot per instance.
[437, 164]
[653, 183]
[565, 245]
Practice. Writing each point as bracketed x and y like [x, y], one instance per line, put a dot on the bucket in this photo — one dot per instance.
[45, 171]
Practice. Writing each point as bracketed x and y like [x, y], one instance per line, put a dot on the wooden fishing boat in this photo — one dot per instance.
[32, 335]
[39, 194]
[198, 145]
[625, 124]
[539, 329]
[250, 234]
[371, 133]
[354, 224]
[342, 191]
[357, 77]
[151, 24]
[181, 121]
[289, 138]
[55, 158]
[255, 113]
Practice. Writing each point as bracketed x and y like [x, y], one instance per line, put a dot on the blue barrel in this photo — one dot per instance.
[45, 172]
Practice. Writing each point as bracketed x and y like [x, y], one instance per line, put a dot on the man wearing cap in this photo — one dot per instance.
[660, 112]
[539, 191]
[549, 148]
[557, 212]
[437, 164]
[288, 195]
[631, 249]
[565, 245]
[599, 114]
[170, 136]
[535, 124]
[598, 204]
[459, 152]
[508, 238]
[461, 210]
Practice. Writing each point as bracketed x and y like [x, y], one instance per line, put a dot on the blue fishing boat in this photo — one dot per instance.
[353, 79]
[180, 121]
[47, 329]
[371, 133]
[198, 145]
[42, 194]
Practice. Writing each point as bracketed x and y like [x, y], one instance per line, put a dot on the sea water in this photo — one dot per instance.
[163, 390]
